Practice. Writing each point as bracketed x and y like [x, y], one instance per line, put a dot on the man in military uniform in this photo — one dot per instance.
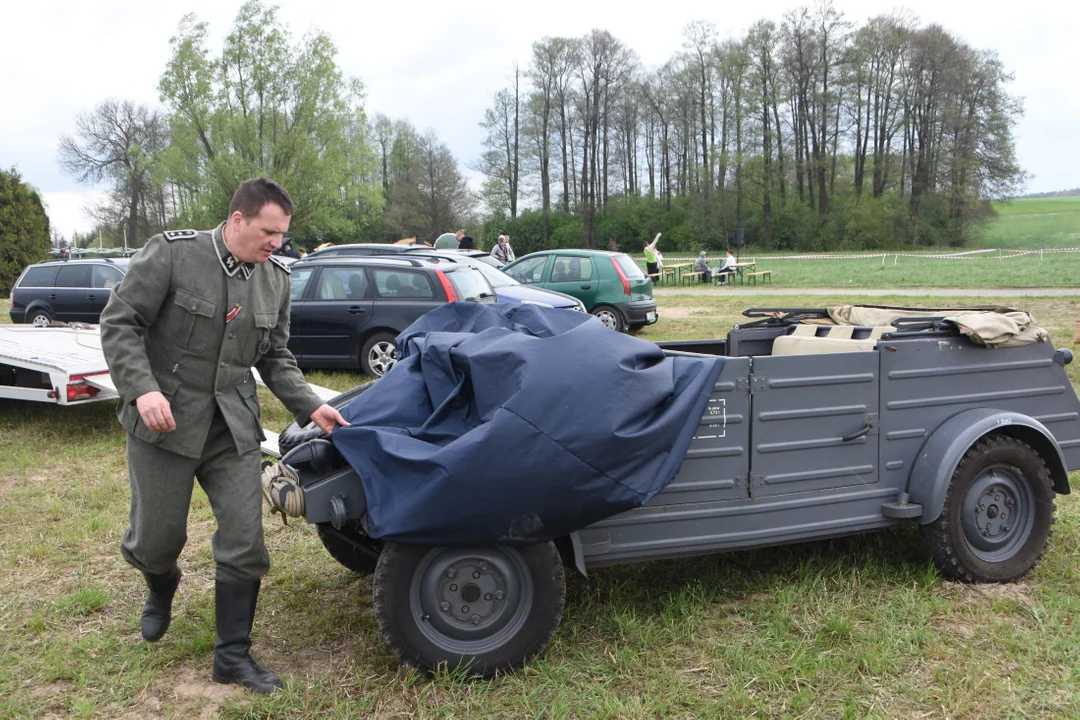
[181, 333]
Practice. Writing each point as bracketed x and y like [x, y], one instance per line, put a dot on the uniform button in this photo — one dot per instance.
[221, 364]
[231, 336]
[194, 308]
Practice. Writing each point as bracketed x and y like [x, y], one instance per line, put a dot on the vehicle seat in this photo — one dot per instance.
[420, 287]
[575, 270]
[814, 339]
[331, 288]
[357, 286]
[393, 286]
[559, 273]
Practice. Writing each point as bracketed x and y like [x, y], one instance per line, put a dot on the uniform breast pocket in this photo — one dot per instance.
[195, 321]
[258, 343]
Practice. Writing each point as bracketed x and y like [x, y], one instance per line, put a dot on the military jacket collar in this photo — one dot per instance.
[229, 262]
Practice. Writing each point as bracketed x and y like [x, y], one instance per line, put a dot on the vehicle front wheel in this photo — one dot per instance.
[610, 316]
[39, 318]
[482, 610]
[378, 354]
[997, 515]
[343, 546]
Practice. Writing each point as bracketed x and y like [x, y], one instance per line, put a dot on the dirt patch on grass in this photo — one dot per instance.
[187, 694]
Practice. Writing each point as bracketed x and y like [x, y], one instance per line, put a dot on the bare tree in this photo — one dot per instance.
[120, 142]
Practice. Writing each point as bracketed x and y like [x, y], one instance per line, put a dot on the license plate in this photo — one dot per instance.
[651, 317]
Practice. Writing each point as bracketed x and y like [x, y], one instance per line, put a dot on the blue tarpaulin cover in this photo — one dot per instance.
[517, 423]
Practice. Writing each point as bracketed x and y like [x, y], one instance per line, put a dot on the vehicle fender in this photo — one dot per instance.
[940, 455]
[570, 549]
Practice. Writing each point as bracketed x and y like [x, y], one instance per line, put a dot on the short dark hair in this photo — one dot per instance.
[255, 193]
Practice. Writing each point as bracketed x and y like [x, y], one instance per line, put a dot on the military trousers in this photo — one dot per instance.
[161, 486]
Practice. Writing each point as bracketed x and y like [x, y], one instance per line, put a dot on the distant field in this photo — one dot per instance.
[1035, 223]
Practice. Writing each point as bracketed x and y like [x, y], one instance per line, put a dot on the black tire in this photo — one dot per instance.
[377, 355]
[346, 552]
[39, 318]
[430, 625]
[997, 516]
[610, 316]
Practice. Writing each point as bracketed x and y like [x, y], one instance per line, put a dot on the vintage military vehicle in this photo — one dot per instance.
[812, 431]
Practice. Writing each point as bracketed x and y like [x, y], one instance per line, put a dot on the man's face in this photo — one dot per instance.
[254, 239]
[459, 235]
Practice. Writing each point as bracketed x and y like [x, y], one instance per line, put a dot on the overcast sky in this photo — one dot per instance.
[438, 64]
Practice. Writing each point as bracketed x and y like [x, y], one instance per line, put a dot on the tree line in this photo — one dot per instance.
[810, 133]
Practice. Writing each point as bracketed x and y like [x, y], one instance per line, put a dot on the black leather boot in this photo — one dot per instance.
[157, 610]
[235, 610]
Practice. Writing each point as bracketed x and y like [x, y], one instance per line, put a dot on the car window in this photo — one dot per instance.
[73, 276]
[402, 284]
[628, 266]
[298, 282]
[39, 277]
[571, 268]
[469, 283]
[342, 283]
[103, 276]
[528, 271]
[496, 277]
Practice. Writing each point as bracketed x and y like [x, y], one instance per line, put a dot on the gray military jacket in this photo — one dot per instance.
[190, 320]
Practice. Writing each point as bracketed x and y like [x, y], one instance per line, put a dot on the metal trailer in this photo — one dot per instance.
[847, 435]
[66, 366]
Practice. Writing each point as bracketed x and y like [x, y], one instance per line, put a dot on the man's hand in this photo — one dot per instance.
[327, 418]
[156, 412]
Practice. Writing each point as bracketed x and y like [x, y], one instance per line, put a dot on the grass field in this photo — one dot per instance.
[860, 627]
[1035, 223]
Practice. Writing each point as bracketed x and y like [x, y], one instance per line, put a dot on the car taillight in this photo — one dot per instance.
[447, 286]
[622, 276]
[78, 389]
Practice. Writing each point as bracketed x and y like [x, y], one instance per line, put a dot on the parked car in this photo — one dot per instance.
[811, 432]
[65, 290]
[611, 285]
[507, 289]
[346, 311]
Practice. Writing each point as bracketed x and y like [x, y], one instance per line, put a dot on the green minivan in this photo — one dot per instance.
[611, 285]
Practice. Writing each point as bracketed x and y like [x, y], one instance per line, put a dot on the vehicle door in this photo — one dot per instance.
[531, 271]
[577, 276]
[333, 315]
[814, 422]
[402, 296]
[102, 280]
[299, 289]
[69, 297]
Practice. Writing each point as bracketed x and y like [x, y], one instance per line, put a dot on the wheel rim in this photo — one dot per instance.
[608, 318]
[381, 357]
[41, 321]
[470, 601]
[998, 513]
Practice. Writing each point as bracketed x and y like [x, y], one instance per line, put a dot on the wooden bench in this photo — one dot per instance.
[689, 277]
[763, 274]
[655, 277]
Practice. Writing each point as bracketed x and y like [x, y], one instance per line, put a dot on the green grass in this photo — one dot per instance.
[857, 627]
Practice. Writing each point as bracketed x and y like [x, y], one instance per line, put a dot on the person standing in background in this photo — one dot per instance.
[502, 251]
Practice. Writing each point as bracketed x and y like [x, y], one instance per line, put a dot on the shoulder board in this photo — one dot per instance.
[172, 235]
[280, 263]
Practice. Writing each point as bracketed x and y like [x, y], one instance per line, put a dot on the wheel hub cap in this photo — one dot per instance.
[471, 601]
[996, 513]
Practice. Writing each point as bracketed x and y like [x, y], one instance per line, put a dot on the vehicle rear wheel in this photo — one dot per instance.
[609, 316]
[378, 354]
[39, 318]
[337, 543]
[997, 514]
[482, 610]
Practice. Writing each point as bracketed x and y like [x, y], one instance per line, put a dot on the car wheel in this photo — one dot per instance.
[997, 514]
[609, 316]
[378, 354]
[481, 610]
[347, 546]
[39, 318]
